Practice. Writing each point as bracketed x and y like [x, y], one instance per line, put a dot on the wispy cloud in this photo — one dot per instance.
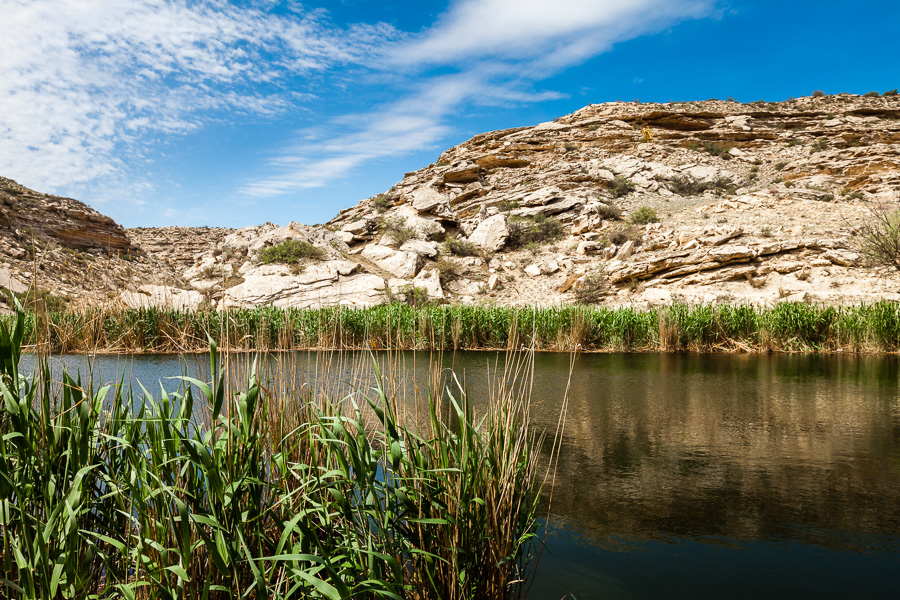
[87, 87]
[497, 49]
[82, 82]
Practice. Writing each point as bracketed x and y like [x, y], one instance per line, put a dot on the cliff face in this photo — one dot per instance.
[66, 249]
[754, 202]
[639, 203]
[25, 213]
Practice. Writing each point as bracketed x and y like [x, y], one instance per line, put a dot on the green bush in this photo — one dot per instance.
[871, 95]
[818, 94]
[643, 216]
[397, 229]
[624, 234]
[717, 149]
[688, 186]
[621, 187]
[879, 236]
[819, 145]
[459, 247]
[290, 252]
[609, 211]
[892, 92]
[591, 288]
[447, 270]
[524, 231]
[414, 296]
[382, 202]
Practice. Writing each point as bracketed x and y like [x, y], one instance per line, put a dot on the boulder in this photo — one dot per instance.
[420, 247]
[491, 234]
[626, 250]
[8, 282]
[426, 199]
[401, 264]
[425, 228]
[280, 288]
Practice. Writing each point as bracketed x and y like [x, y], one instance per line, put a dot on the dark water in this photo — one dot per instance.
[699, 476]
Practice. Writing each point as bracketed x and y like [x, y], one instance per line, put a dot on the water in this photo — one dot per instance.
[698, 475]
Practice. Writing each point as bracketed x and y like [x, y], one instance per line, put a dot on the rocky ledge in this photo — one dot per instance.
[646, 203]
[616, 203]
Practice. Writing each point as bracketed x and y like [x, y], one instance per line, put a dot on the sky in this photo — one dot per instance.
[234, 113]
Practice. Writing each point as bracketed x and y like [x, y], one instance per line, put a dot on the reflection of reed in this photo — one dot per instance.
[745, 447]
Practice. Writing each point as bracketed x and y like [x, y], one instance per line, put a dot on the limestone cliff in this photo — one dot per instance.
[745, 202]
[66, 250]
[648, 203]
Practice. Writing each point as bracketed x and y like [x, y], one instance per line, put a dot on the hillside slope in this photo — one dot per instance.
[617, 203]
[755, 203]
[67, 251]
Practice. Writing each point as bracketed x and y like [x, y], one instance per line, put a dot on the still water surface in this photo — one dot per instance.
[693, 476]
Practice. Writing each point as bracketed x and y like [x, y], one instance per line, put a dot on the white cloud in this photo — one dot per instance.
[499, 48]
[82, 81]
[570, 30]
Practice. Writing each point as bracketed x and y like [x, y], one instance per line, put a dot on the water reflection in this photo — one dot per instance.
[682, 474]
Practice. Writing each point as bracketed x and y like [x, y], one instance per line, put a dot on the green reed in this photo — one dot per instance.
[266, 490]
[784, 327]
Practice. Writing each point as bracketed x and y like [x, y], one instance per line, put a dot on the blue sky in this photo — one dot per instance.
[209, 112]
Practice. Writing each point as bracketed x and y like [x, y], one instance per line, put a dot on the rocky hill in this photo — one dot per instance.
[617, 203]
[626, 202]
[63, 251]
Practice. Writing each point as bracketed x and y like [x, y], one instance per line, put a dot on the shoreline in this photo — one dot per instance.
[786, 328]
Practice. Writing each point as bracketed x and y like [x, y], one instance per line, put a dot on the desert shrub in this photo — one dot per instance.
[447, 270]
[625, 234]
[717, 149]
[620, 187]
[819, 145]
[609, 211]
[818, 94]
[871, 94]
[39, 300]
[290, 252]
[855, 195]
[397, 229]
[570, 147]
[591, 288]
[507, 205]
[643, 216]
[780, 165]
[878, 239]
[382, 202]
[538, 229]
[892, 92]
[687, 186]
[462, 247]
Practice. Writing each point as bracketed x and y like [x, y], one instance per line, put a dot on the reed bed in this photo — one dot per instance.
[787, 327]
[272, 488]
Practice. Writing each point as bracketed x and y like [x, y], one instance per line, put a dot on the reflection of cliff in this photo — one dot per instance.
[742, 446]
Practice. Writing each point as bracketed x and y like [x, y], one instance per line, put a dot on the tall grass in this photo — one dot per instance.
[267, 490]
[785, 327]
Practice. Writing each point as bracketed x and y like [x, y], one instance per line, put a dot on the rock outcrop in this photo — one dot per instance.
[694, 201]
[65, 252]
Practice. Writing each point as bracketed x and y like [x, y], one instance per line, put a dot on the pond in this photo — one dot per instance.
[689, 475]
